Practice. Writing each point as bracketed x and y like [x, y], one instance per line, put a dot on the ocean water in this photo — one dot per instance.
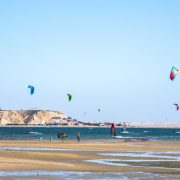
[34, 133]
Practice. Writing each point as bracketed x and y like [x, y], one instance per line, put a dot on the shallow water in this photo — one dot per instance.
[34, 133]
[158, 160]
[65, 175]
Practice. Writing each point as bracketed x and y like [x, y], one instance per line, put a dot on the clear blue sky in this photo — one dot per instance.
[110, 54]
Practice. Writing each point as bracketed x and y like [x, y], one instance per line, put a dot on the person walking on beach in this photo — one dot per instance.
[78, 136]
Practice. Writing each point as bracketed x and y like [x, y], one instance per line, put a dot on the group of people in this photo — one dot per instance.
[62, 135]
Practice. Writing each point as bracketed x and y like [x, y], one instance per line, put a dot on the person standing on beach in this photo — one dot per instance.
[78, 136]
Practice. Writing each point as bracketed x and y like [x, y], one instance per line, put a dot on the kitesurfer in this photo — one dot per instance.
[113, 129]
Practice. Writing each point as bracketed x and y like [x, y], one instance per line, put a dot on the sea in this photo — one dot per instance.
[87, 133]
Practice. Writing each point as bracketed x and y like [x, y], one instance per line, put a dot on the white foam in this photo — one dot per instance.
[36, 133]
[128, 137]
[125, 132]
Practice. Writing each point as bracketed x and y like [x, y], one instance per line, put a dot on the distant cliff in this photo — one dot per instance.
[31, 117]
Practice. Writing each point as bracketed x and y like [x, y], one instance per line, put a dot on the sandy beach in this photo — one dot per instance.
[154, 157]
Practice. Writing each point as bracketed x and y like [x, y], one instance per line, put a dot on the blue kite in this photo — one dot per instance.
[31, 89]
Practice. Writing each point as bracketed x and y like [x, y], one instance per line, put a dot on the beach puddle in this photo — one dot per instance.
[156, 155]
[170, 165]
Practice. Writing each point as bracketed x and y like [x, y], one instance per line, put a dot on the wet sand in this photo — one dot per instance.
[159, 158]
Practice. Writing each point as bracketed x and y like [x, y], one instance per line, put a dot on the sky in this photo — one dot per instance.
[114, 55]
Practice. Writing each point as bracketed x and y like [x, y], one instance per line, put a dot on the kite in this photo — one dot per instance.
[174, 72]
[69, 97]
[31, 89]
[99, 110]
[177, 107]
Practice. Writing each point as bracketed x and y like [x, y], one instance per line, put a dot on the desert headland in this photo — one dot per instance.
[56, 118]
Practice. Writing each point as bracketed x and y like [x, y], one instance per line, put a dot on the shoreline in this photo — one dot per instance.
[118, 127]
